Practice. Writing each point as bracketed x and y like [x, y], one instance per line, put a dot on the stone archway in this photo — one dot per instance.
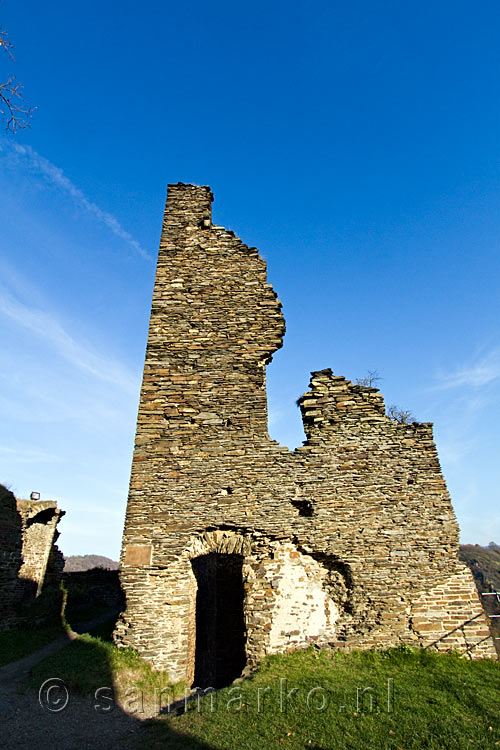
[217, 626]
[219, 620]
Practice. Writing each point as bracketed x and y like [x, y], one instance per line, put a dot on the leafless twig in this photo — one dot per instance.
[4, 42]
[370, 380]
[13, 110]
[402, 416]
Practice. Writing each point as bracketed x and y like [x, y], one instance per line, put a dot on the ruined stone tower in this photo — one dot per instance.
[29, 557]
[234, 547]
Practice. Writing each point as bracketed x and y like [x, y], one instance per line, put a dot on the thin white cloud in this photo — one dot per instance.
[70, 504]
[27, 455]
[80, 356]
[56, 177]
[454, 448]
[275, 415]
[482, 372]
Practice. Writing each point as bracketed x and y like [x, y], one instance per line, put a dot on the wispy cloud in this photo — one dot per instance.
[56, 177]
[481, 372]
[275, 415]
[79, 355]
[456, 424]
[26, 455]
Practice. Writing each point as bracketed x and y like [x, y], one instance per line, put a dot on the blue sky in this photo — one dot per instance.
[357, 145]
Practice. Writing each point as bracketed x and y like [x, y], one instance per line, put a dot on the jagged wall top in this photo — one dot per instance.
[215, 323]
[363, 499]
[335, 404]
[187, 206]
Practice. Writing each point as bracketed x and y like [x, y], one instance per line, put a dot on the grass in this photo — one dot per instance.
[319, 700]
[14, 644]
[59, 607]
[92, 661]
[19, 642]
[418, 700]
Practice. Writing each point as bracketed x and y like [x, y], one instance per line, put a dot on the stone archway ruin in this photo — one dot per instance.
[351, 537]
[220, 631]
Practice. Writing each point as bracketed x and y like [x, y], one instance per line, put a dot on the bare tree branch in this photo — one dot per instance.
[4, 42]
[402, 416]
[13, 110]
[370, 380]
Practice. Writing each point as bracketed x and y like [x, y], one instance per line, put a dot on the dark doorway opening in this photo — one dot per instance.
[220, 623]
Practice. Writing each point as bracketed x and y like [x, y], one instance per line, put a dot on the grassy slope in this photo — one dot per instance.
[89, 595]
[92, 661]
[437, 701]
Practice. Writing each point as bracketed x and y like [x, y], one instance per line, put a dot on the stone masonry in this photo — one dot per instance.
[39, 529]
[28, 554]
[10, 558]
[235, 547]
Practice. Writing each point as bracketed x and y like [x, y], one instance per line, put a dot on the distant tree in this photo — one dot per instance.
[14, 112]
[370, 380]
[402, 416]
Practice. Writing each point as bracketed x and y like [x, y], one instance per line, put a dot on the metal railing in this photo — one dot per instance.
[497, 595]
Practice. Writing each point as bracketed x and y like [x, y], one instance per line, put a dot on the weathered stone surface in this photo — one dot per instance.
[138, 554]
[349, 539]
[39, 530]
[10, 558]
[28, 554]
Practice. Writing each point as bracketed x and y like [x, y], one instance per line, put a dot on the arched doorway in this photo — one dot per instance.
[220, 623]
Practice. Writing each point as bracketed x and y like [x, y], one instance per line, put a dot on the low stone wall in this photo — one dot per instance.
[437, 617]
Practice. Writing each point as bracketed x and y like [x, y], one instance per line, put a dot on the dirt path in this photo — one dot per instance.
[16, 671]
[33, 719]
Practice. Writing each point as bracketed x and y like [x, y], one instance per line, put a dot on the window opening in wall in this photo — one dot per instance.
[305, 507]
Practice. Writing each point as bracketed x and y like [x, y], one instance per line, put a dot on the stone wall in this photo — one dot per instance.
[343, 541]
[10, 558]
[39, 531]
[28, 554]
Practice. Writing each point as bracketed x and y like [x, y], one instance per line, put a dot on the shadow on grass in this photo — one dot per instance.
[434, 701]
[75, 693]
[92, 676]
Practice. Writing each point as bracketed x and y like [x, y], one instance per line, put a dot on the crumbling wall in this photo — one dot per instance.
[10, 558]
[28, 554]
[359, 514]
[39, 522]
[387, 498]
